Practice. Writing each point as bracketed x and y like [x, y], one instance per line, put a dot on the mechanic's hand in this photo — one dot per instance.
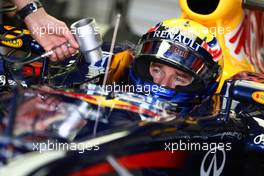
[51, 33]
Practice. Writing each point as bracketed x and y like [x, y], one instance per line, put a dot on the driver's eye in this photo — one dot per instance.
[156, 69]
[178, 78]
[179, 81]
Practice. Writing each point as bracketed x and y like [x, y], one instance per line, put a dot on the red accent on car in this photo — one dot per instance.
[155, 159]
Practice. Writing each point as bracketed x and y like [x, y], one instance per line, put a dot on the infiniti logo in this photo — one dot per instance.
[259, 139]
[211, 156]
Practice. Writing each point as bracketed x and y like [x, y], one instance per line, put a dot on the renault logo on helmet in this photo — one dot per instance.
[176, 36]
[214, 167]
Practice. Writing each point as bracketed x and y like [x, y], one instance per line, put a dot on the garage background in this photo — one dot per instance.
[137, 15]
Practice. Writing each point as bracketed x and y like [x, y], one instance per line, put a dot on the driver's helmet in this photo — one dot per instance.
[178, 60]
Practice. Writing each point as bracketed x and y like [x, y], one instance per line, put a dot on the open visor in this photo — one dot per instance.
[201, 68]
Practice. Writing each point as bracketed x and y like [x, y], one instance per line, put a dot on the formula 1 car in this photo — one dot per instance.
[75, 127]
[70, 133]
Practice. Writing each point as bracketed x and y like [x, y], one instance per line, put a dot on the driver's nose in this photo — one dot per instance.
[165, 81]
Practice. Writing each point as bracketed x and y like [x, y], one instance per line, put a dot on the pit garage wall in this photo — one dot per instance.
[145, 13]
[142, 14]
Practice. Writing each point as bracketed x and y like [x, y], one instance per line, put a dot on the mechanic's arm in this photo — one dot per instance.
[49, 31]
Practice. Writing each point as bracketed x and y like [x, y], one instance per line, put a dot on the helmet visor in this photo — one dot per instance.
[176, 55]
[191, 65]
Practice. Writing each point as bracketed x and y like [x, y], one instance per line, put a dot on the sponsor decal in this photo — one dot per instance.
[2, 80]
[177, 51]
[259, 139]
[16, 43]
[17, 31]
[258, 97]
[214, 166]
[177, 37]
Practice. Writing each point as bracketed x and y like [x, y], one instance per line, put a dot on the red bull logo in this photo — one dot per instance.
[258, 97]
